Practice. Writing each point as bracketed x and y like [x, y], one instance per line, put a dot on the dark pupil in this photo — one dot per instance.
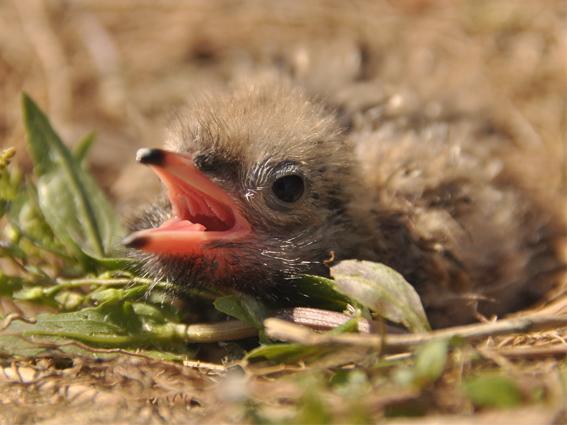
[288, 188]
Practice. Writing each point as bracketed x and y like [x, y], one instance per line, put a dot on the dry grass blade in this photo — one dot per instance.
[528, 352]
[280, 329]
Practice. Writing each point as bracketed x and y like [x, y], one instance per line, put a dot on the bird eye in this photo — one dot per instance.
[289, 188]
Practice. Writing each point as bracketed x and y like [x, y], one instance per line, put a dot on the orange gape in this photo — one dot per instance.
[202, 212]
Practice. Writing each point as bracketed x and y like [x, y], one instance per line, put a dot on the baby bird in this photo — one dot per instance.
[265, 184]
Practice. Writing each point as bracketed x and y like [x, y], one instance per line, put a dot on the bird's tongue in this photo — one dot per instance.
[203, 212]
[181, 225]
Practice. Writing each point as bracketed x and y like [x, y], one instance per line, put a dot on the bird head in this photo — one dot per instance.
[258, 189]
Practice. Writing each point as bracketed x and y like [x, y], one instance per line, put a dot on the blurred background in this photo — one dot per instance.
[120, 67]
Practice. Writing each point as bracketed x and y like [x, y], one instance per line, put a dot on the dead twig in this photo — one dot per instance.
[283, 330]
[534, 352]
[12, 317]
[200, 365]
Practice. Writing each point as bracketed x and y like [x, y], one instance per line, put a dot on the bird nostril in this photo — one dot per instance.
[148, 156]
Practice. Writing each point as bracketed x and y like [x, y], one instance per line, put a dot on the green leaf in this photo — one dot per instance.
[429, 364]
[9, 180]
[118, 294]
[430, 361]
[8, 249]
[350, 325]
[110, 325]
[40, 137]
[115, 263]
[242, 307]
[492, 391]
[57, 205]
[83, 148]
[350, 383]
[69, 198]
[6, 156]
[322, 292]
[9, 284]
[312, 407]
[16, 346]
[167, 356]
[11, 345]
[383, 290]
[283, 352]
[26, 217]
[245, 308]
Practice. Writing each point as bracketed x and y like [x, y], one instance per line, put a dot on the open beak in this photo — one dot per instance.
[202, 212]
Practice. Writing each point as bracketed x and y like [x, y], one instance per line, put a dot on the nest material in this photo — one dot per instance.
[120, 66]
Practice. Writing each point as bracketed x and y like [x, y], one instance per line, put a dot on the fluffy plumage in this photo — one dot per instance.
[431, 196]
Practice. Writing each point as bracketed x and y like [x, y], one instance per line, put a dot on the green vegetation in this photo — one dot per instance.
[60, 252]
